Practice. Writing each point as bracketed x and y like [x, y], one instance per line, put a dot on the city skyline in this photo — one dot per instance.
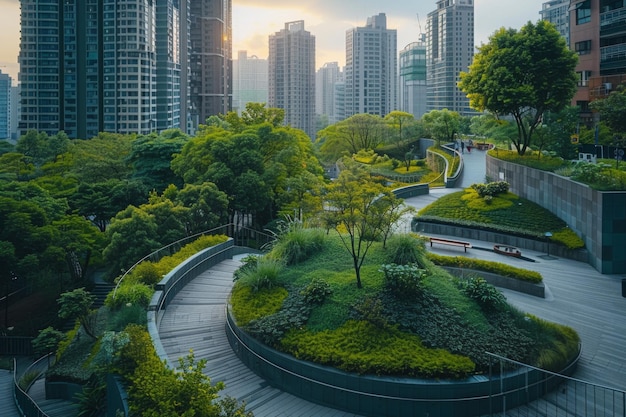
[253, 23]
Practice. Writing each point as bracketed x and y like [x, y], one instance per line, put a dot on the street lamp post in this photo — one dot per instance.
[548, 235]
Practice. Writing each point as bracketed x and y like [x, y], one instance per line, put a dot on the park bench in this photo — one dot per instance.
[451, 242]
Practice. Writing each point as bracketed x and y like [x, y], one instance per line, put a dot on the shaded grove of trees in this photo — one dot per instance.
[70, 206]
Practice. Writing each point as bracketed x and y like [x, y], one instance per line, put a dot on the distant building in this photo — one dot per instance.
[371, 77]
[5, 106]
[95, 66]
[210, 58]
[250, 84]
[557, 13]
[340, 102]
[450, 50]
[292, 75]
[326, 78]
[597, 34]
[413, 79]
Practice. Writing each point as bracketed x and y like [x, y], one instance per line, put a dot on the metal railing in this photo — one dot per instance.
[235, 231]
[25, 404]
[572, 397]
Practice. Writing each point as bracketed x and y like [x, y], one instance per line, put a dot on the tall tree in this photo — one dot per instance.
[398, 121]
[612, 109]
[524, 74]
[360, 211]
[442, 124]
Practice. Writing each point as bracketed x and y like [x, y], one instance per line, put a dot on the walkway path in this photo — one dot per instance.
[579, 296]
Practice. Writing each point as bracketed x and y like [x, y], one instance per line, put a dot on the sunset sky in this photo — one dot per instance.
[327, 20]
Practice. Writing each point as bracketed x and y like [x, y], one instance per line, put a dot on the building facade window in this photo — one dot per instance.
[583, 47]
[583, 12]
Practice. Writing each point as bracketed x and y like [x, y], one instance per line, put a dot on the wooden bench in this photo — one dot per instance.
[451, 242]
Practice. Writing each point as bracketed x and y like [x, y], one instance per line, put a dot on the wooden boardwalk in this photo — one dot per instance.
[7, 405]
[578, 296]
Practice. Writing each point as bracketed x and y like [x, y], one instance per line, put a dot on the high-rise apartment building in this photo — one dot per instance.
[598, 35]
[210, 57]
[557, 13]
[249, 80]
[450, 50]
[413, 78]
[371, 77]
[88, 66]
[5, 106]
[325, 79]
[292, 75]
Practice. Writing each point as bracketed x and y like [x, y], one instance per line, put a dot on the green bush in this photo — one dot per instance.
[297, 244]
[248, 305]
[133, 314]
[316, 292]
[486, 266]
[146, 273]
[130, 294]
[485, 294]
[404, 281]
[263, 275]
[360, 347]
[404, 249]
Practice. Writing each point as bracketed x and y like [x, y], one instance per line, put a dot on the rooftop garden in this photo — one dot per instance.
[492, 207]
[410, 318]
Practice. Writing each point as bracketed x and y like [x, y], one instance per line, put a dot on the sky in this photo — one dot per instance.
[327, 20]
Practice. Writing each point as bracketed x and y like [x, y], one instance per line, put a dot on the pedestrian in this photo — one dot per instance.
[462, 146]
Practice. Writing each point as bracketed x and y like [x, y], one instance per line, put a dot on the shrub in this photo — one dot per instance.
[316, 291]
[248, 305]
[263, 276]
[125, 315]
[404, 249]
[404, 281]
[486, 266]
[360, 347]
[297, 244]
[130, 294]
[146, 273]
[487, 296]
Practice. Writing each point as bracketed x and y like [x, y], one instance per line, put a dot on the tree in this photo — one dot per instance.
[559, 128]
[151, 157]
[442, 124]
[397, 120]
[360, 211]
[349, 136]
[47, 341]
[77, 304]
[524, 74]
[612, 109]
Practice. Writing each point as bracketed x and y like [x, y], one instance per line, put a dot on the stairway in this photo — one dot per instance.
[100, 292]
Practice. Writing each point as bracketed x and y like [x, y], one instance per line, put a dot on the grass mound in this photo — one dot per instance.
[503, 212]
[411, 320]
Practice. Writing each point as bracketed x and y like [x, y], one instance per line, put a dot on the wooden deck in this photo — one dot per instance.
[578, 296]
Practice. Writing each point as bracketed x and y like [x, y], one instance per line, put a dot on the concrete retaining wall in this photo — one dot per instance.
[598, 217]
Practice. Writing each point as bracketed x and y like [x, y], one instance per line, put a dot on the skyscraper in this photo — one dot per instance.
[557, 13]
[5, 106]
[210, 57]
[249, 80]
[292, 75]
[450, 50]
[325, 79]
[88, 66]
[371, 68]
[413, 78]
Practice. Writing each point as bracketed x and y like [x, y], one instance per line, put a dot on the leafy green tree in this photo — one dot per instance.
[101, 158]
[6, 147]
[612, 109]
[15, 166]
[398, 120]
[349, 136]
[442, 125]
[76, 304]
[559, 128]
[151, 157]
[254, 114]
[47, 341]
[208, 206]
[360, 211]
[132, 235]
[524, 74]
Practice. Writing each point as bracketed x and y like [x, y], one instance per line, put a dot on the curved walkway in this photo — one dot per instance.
[579, 296]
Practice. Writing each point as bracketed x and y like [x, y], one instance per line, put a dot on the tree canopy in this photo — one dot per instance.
[523, 74]
[612, 109]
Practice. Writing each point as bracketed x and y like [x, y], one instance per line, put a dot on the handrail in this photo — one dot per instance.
[225, 227]
[24, 403]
